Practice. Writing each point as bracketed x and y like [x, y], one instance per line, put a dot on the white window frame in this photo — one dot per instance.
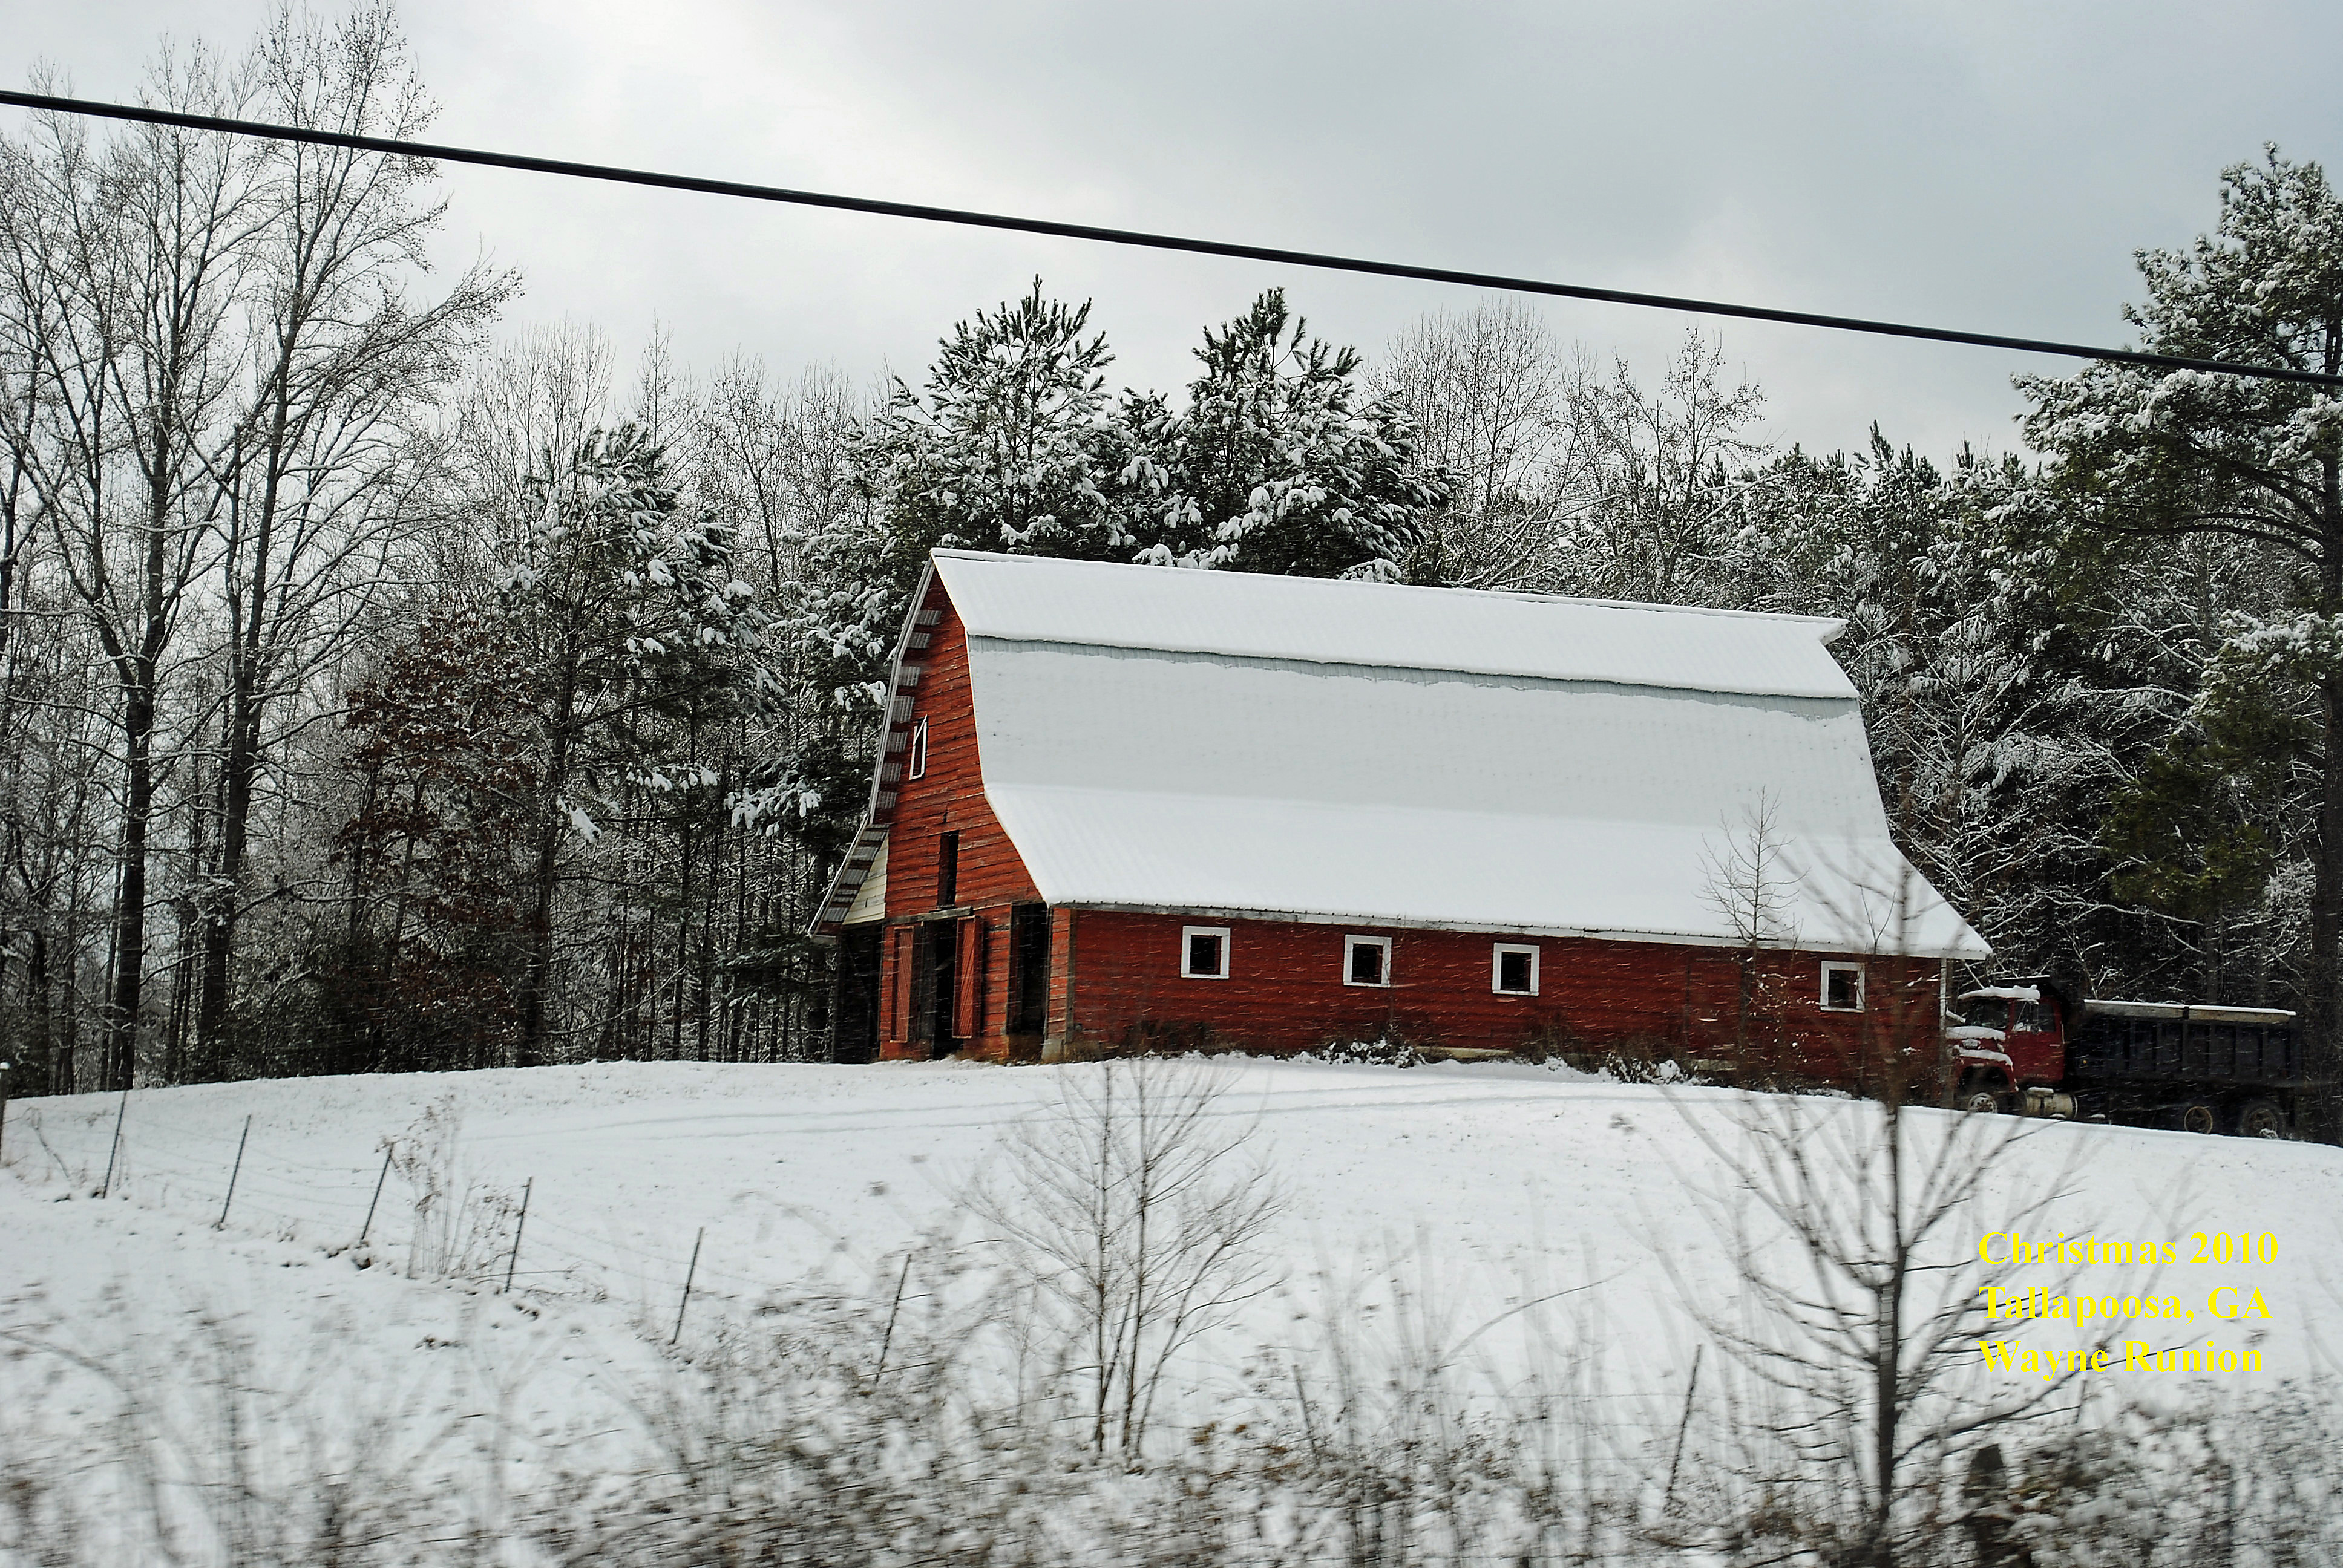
[1497, 968]
[1187, 935]
[1351, 943]
[1828, 970]
[918, 768]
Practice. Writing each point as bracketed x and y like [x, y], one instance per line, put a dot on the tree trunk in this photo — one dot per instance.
[65, 1064]
[2326, 919]
[223, 894]
[537, 975]
[53, 1076]
[1887, 1356]
[130, 905]
[710, 910]
[682, 933]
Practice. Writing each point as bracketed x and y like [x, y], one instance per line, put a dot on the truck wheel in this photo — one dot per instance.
[1978, 1096]
[2261, 1118]
[2199, 1117]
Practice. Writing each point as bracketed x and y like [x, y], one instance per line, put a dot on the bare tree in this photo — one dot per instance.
[539, 392]
[1662, 462]
[779, 460]
[1133, 1214]
[318, 484]
[1748, 879]
[130, 261]
[1489, 395]
[1853, 1228]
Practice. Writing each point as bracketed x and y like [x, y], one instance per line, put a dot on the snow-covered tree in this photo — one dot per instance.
[631, 625]
[2147, 452]
[2213, 831]
[1006, 448]
[1280, 462]
[2007, 688]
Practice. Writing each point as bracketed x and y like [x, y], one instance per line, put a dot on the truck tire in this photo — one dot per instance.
[1980, 1095]
[2261, 1118]
[2200, 1116]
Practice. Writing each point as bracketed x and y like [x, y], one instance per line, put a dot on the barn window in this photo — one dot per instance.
[1842, 988]
[1514, 969]
[1366, 960]
[919, 760]
[1204, 952]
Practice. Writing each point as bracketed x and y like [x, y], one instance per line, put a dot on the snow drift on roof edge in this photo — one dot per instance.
[1034, 599]
[1409, 867]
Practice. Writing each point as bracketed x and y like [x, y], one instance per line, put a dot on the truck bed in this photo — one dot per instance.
[2143, 1042]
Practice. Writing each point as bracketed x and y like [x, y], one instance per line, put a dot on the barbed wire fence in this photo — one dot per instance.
[429, 1221]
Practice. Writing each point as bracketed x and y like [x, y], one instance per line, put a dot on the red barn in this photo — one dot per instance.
[1120, 806]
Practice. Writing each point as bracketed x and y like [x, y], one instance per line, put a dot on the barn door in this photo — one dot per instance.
[967, 975]
[855, 1010]
[899, 986]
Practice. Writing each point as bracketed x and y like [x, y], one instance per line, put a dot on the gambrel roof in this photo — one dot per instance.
[1220, 743]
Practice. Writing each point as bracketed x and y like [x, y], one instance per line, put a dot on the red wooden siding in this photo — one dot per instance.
[949, 796]
[1061, 973]
[1286, 991]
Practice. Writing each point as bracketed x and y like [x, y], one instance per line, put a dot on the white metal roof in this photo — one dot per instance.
[1379, 866]
[1027, 599]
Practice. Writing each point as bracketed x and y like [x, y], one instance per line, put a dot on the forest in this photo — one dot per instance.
[384, 689]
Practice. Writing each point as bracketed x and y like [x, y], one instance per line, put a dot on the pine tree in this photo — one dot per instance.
[2004, 685]
[1279, 462]
[1007, 447]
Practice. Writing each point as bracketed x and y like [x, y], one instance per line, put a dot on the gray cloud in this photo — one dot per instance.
[1979, 165]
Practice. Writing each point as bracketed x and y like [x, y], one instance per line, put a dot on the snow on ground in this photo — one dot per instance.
[1494, 1181]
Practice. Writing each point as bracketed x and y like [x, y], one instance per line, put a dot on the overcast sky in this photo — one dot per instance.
[1975, 164]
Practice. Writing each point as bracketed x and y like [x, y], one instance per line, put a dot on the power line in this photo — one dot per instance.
[1142, 238]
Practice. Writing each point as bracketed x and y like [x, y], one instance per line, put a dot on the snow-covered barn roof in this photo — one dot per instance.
[1315, 620]
[1338, 751]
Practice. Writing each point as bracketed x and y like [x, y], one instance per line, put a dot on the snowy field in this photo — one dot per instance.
[1486, 1186]
[1499, 1175]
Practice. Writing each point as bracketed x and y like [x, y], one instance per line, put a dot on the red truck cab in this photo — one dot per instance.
[2008, 1044]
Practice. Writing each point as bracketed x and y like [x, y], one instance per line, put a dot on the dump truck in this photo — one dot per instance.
[2034, 1048]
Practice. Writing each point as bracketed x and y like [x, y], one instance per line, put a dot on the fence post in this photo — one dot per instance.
[379, 1181]
[233, 1171]
[687, 1274]
[114, 1148]
[1683, 1427]
[518, 1225]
